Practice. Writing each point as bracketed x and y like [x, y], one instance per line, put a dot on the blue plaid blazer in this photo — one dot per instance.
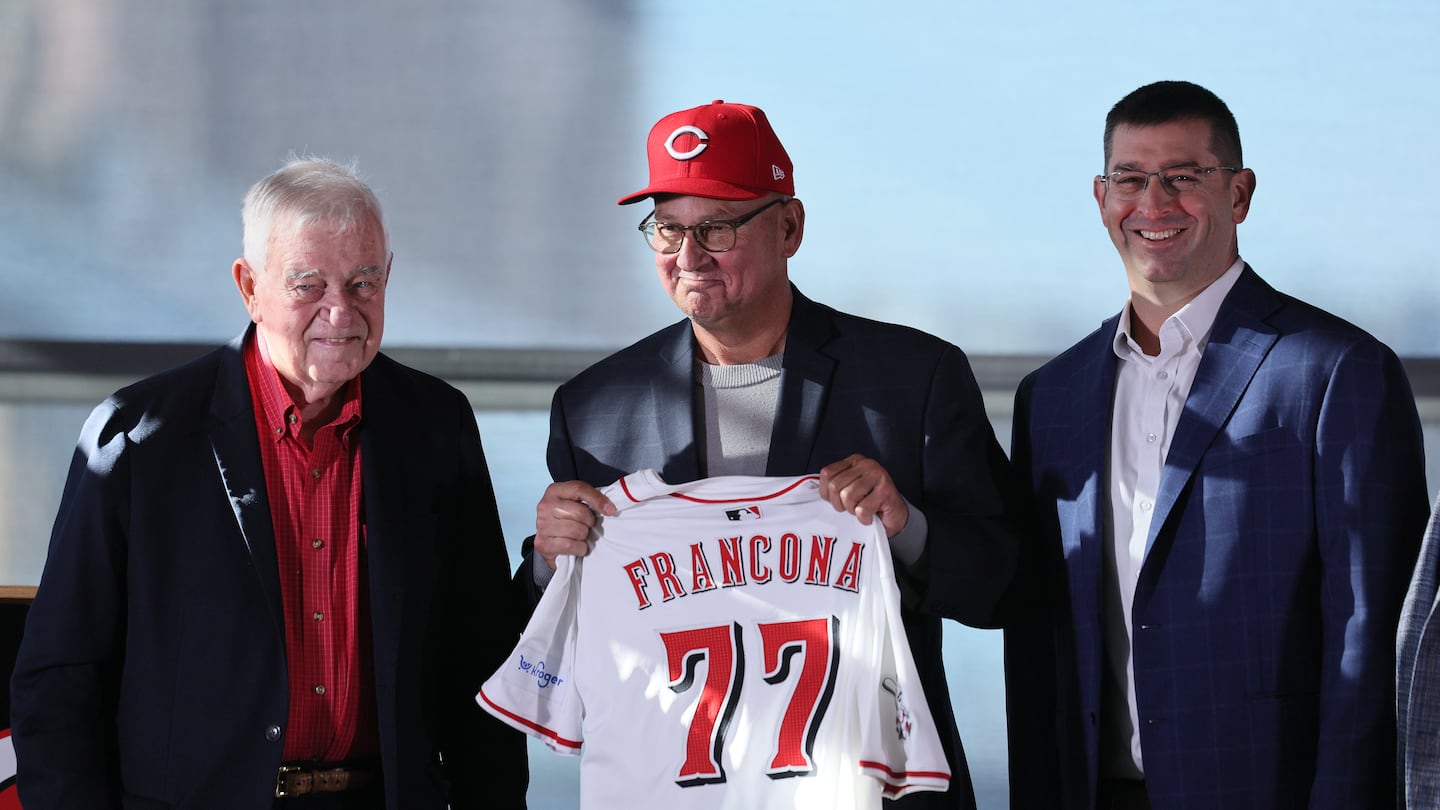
[1286, 525]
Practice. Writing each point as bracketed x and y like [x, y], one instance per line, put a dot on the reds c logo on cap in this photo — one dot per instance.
[719, 151]
[687, 130]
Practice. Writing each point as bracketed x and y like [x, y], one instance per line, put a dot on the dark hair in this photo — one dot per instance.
[1164, 102]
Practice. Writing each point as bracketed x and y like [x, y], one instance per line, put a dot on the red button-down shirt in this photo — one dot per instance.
[314, 494]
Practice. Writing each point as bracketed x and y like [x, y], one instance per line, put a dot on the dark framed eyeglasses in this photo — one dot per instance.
[1129, 185]
[712, 235]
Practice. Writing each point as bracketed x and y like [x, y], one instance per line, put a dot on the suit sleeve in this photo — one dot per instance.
[68, 667]
[560, 458]
[1029, 612]
[480, 620]
[1370, 503]
[968, 499]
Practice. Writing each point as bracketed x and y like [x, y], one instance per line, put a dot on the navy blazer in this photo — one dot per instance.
[1286, 526]
[848, 385]
[152, 669]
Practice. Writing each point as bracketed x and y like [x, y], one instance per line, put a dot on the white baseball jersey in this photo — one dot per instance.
[728, 643]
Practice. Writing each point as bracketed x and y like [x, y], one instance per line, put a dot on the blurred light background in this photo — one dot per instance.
[944, 151]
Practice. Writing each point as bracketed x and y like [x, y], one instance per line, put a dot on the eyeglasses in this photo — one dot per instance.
[1129, 185]
[713, 235]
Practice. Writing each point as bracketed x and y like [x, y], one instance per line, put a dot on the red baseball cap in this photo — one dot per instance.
[717, 150]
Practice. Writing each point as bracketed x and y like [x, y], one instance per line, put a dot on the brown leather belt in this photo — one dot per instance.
[310, 777]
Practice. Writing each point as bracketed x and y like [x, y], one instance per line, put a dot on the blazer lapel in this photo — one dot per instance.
[387, 499]
[237, 458]
[804, 387]
[673, 391]
[1238, 343]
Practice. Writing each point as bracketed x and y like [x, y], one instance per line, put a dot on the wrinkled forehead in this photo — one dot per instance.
[310, 244]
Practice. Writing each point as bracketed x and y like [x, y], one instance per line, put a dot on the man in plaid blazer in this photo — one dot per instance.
[1417, 702]
[1228, 490]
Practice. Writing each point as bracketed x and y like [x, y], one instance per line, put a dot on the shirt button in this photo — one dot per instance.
[1145, 506]
[1150, 438]
[1163, 375]
[280, 431]
[320, 689]
[315, 473]
[319, 617]
[272, 733]
[292, 418]
[317, 543]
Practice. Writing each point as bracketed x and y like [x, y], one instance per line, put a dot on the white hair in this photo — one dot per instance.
[306, 190]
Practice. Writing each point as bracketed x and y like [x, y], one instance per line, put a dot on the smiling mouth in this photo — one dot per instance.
[1158, 236]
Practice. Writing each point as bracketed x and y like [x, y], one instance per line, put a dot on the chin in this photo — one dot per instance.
[694, 306]
[340, 373]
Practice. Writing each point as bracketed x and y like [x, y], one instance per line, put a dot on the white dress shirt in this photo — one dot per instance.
[1150, 394]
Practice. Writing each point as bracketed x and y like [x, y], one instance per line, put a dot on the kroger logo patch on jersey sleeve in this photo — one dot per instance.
[533, 691]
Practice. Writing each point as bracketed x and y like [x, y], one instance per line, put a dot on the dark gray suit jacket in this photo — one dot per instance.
[152, 670]
[848, 385]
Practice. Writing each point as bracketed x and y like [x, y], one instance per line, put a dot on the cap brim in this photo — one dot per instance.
[695, 187]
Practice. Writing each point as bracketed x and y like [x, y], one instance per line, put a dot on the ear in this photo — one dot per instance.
[1242, 191]
[792, 226]
[1099, 192]
[244, 276]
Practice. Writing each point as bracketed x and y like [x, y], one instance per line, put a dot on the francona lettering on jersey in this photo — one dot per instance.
[728, 643]
[756, 560]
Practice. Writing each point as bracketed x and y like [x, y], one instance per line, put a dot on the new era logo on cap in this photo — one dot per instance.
[718, 150]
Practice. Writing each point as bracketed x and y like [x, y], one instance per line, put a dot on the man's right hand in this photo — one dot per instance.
[564, 518]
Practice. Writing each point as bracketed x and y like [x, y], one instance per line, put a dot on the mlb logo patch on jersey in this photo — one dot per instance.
[744, 513]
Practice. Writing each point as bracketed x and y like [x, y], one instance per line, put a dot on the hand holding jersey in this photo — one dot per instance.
[861, 486]
[564, 518]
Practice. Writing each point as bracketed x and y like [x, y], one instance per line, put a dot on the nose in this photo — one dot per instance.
[337, 311]
[691, 256]
[1156, 196]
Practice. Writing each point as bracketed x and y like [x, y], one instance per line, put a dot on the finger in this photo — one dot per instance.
[831, 471]
[551, 547]
[861, 486]
[853, 484]
[580, 492]
[565, 519]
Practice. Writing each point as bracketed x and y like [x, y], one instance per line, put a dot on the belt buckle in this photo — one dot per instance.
[284, 789]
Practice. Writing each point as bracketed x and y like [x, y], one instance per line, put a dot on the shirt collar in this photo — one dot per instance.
[1193, 321]
[277, 410]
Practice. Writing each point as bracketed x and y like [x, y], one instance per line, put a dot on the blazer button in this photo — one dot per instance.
[272, 733]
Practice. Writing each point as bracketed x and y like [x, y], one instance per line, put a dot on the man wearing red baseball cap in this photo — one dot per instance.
[757, 379]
